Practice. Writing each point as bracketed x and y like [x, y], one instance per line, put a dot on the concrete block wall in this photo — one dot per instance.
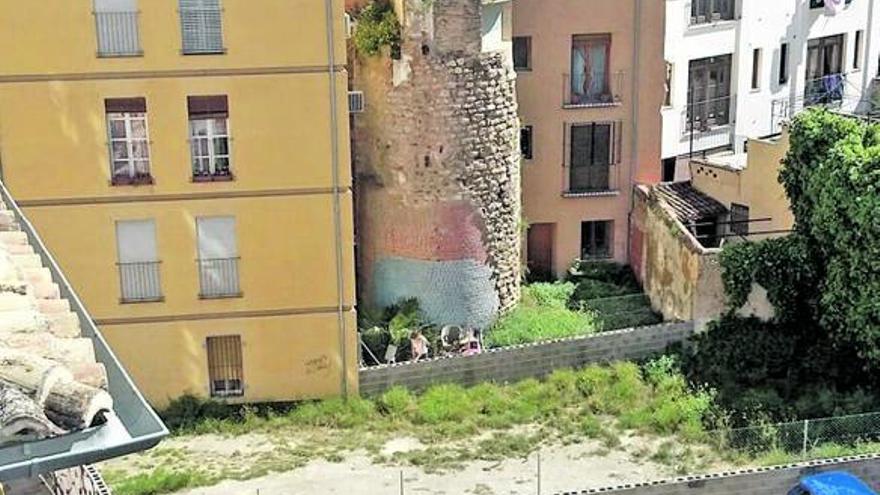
[776, 480]
[526, 361]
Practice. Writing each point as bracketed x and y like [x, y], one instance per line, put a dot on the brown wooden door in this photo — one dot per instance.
[540, 251]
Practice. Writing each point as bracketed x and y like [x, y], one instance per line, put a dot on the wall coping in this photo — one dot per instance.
[516, 347]
[695, 480]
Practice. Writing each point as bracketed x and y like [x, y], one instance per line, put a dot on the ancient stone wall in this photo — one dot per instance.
[437, 171]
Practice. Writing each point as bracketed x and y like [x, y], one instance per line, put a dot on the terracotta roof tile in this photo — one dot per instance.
[688, 203]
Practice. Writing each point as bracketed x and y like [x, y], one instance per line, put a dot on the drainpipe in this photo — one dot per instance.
[337, 207]
[637, 38]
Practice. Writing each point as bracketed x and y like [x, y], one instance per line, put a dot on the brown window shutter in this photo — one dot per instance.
[208, 107]
[125, 105]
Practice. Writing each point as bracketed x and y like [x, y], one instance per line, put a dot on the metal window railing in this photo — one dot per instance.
[701, 116]
[610, 94]
[218, 277]
[140, 281]
[118, 34]
[590, 180]
[826, 90]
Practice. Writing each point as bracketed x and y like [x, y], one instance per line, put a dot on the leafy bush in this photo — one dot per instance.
[550, 295]
[526, 324]
[377, 26]
[443, 403]
[188, 410]
[396, 402]
[588, 289]
[604, 271]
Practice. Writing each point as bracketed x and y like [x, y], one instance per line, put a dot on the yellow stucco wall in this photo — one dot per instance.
[53, 143]
[756, 186]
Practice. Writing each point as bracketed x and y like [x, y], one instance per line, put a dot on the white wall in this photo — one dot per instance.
[497, 29]
[763, 24]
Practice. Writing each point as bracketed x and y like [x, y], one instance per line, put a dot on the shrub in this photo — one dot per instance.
[396, 402]
[604, 271]
[336, 413]
[377, 26]
[158, 482]
[550, 295]
[444, 403]
[188, 410]
[527, 324]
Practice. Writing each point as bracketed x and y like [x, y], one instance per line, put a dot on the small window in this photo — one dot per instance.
[138, 261]
[596, 239]
[218, 257]
[209, 137]
[225, 369]
[783, 63]
[525, 142]
[116, 24]
[756, 68]
[201, 27]
[667, 86]
[857, 50]
[129, 140]
[739, 219]
[522, 53]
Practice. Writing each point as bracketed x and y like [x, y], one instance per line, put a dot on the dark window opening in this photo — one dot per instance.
[522, 53]
[783, 63]
[709, 100]
[525, 142]
[596, 239]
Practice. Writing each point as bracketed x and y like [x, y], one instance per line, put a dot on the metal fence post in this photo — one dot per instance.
[806, 437]
[401, 482]
[539, 472]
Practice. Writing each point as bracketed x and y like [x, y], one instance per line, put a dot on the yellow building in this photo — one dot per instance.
[188, 164]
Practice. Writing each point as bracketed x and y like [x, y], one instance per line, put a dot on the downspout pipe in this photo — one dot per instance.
[337, 207]
[637, 38]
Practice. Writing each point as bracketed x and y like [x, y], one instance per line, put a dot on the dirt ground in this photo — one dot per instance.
[563, 468]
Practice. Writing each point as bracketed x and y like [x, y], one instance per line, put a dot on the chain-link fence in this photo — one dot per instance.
[801, 439]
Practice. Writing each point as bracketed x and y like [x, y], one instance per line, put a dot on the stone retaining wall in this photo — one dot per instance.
[526, 361]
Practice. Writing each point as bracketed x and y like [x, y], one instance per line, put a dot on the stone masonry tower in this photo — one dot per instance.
[437, 168]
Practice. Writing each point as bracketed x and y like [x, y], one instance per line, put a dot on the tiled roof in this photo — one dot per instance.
[50, 380]
[65, 400]
[687, 202]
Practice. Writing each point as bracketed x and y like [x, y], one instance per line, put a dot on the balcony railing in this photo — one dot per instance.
[218, 277]
[609, 94]
[118, 34]
[826, 90]
[140, 282]
[705, 115]
[592, 180]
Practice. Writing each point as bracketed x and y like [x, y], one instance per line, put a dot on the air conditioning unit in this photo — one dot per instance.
[355, 101]
[716, 16]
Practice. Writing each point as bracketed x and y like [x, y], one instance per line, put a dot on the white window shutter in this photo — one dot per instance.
[201, 26]
[136, 241]
[115, 5]
[216, 238]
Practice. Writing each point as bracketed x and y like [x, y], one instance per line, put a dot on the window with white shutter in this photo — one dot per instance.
[138, 261]
[201, 26]
[218, 257]
[116, 25]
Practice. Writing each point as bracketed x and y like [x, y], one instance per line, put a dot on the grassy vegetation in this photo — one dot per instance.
[450, 425]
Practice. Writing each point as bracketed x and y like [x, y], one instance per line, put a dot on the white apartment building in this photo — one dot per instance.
[738, 68]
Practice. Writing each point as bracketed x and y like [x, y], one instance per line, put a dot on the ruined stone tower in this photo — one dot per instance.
[437, 167]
